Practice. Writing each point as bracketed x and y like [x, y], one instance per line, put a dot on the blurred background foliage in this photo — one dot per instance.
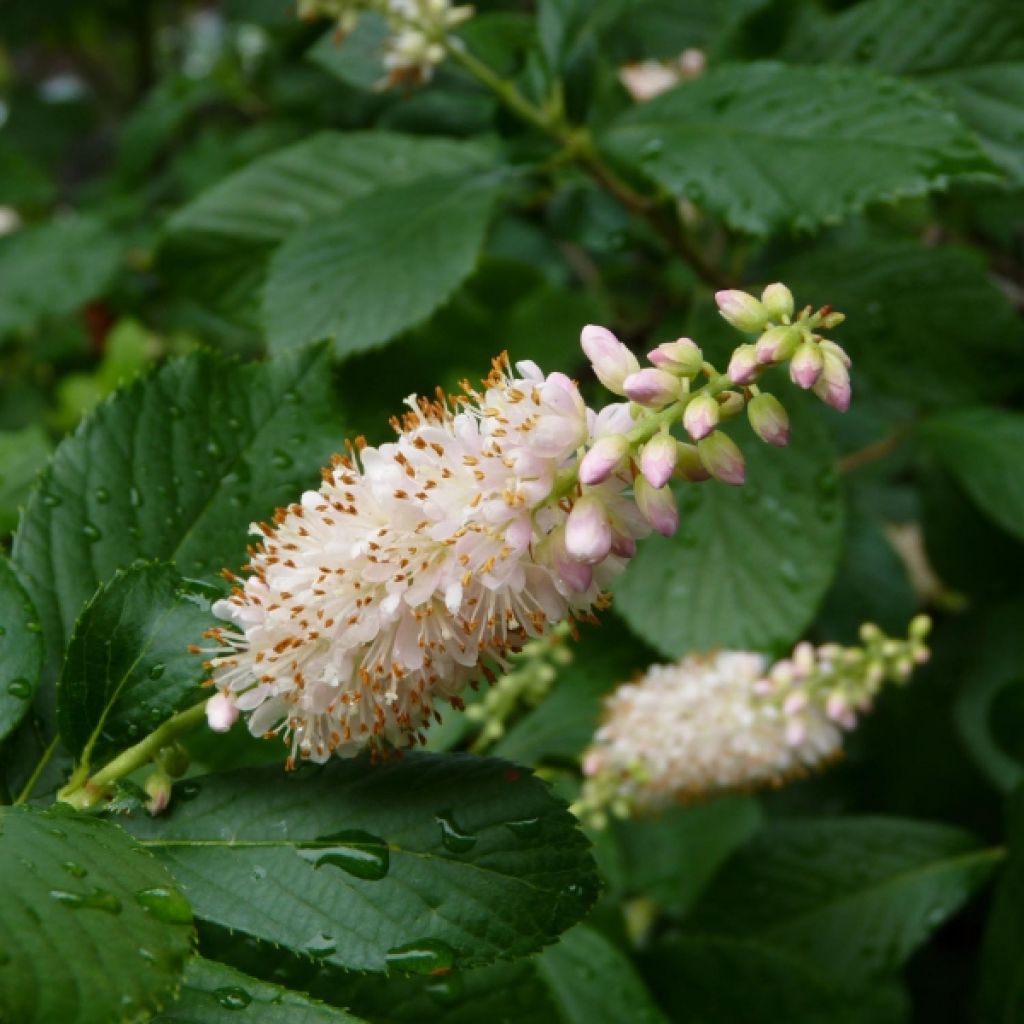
[183, 175]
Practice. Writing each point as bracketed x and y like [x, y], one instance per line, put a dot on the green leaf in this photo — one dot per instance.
[92, 928]
[1001, 986]
[336, 278]
[419, 865]
[53, 269]
[749, 565]
[769, 146]
[926, 324]
[272, 196]
[213, 993]
[982, 448]
[174, 467]
[21, 650]
[592, 982]
[969, 51]
[22, 454]
[128, 666]
[855, 896]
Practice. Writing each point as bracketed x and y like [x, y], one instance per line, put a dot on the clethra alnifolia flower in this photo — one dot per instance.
[728, 721]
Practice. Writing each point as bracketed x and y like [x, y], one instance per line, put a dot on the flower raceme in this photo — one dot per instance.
[728, 722]
[419, 566]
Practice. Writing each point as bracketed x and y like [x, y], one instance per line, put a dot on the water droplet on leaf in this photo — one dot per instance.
[167, 905]
[358, 853]
[453, 837]
[232, 998]
[94, 899]
[20, 688]
[427, 956]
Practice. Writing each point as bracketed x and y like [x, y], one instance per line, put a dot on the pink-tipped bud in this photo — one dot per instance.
[657, 505]
[603, 459]
[838, 708]
[221, 712]
[778, 300]
[588, 534]
[769, 419]
[701, 416]
[689, 465]
[776, 345]
[612, 361]
[623, 545]
[651, 387]
[741, 310]
[743, 366]
[682, 357]
[805, 369]
[158, 789]
[833, 386]
[658, 459]
[722, 459]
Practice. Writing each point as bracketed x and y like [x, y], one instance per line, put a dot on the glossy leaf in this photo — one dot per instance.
[21, 650]
[417, 866]
[92, 928]
[855, 896]
[336, 277]
[128, 667]
[175, 467]
[749, 565]
[773, 147]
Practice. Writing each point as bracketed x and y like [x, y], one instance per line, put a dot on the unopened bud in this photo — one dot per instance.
[603, 459]
[833, 386]
[837, 350]
[657, 505]
[730, 404]
[652, 387]
[612, 361]
[776, 345]
[741, 310]
[701, 416]
[682, 357]
[221, 712]
[806, 367]
[689, 465]
[743, 366]
[778, 300]
[769, 419]
[920, 627]
[658, 459]
[830, 320]
[721, 457]
[588, 534]
[158, 789]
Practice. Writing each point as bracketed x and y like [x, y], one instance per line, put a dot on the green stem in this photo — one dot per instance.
[38, 770]
[86, 793]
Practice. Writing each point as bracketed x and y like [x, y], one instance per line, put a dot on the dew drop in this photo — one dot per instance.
[259, 872]
[189, 790]
[454, 838]
[20, 688]
[102, 495]
[94, 899]
[427, 956]
[167, 905]
[232, 998]
[91, 532]
[525, 828]
[73, 869]
[446, 989]
[50, 500]
[157, 670]
[358, 853]
[321, 946]
[281, 459]
[34, 627]
[134, 496]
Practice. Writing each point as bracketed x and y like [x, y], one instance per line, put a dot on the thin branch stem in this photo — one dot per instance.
[38, 770]
[872, 452]
[85, 794]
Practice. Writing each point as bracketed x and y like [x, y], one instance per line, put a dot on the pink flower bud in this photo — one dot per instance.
[741, 310]
[603, 459]
[796, 732]
[701, 416]
[221, 712]
[658, 459]
[681, 357]
[689, 465]
[657, 505]
[837, 707]
[776, 345]
[833, 386]
[651, 387]
[778, 300]
[588, 534]
[743, 366]
[623, 545]
[721, 457]
[158, 789]
[612, 361]
[805, 369]
[769, 419]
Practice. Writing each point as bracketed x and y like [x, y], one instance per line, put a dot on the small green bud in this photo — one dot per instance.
[778, 300]
[741, 310]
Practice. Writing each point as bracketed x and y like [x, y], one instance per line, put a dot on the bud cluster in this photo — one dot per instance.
[420, 31]
[726, 722]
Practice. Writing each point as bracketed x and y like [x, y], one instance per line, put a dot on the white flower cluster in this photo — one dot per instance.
[416, 562]
[726, 722]
[419, 33]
